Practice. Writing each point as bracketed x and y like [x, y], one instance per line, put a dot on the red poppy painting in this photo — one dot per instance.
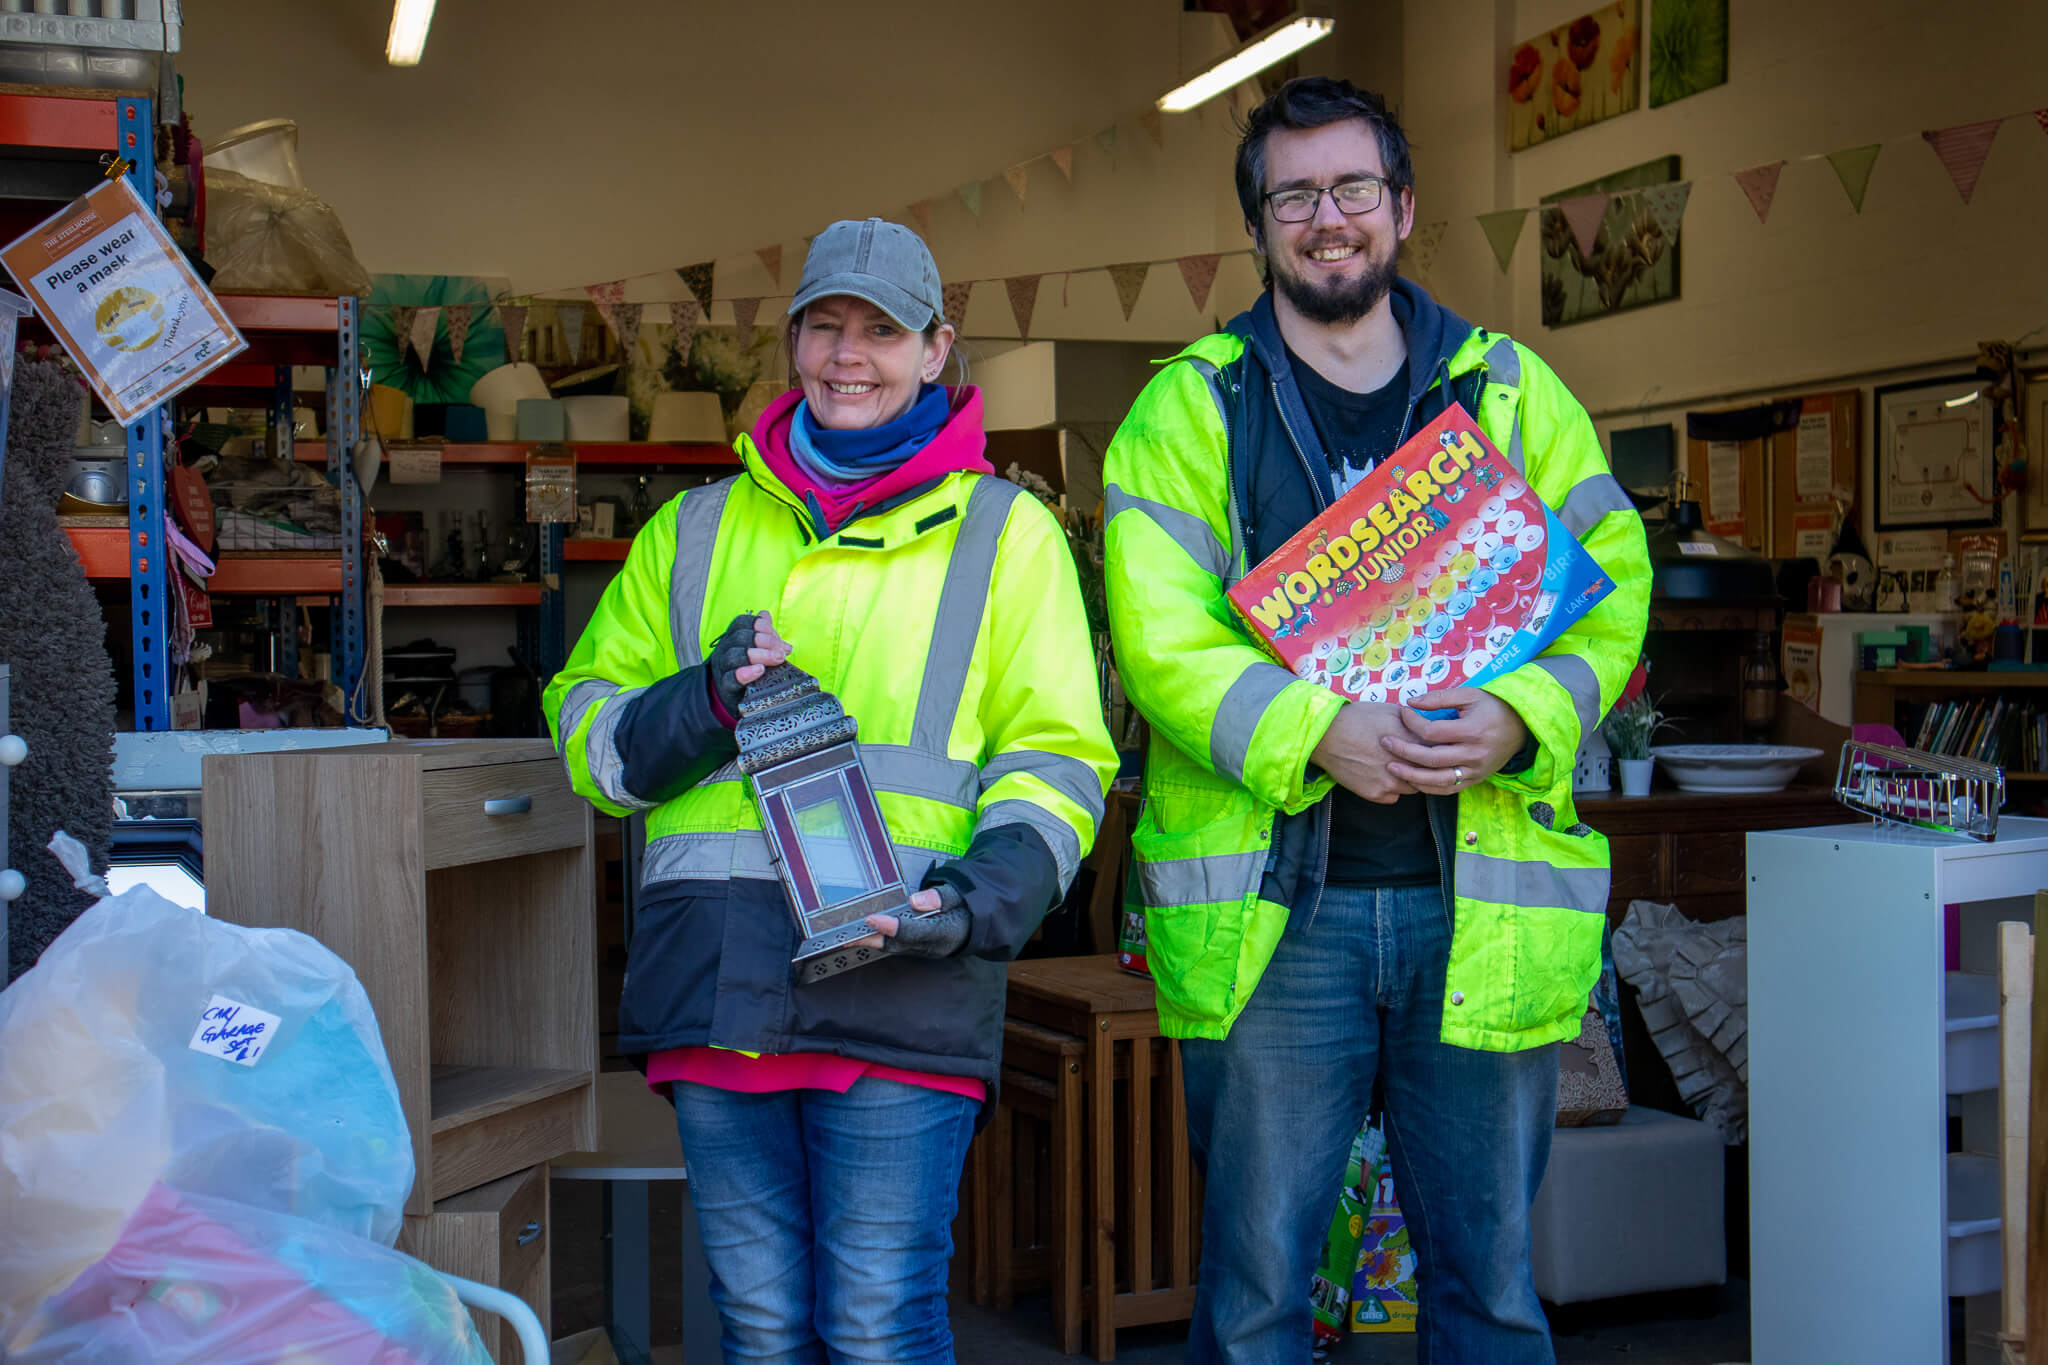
[1576, 74]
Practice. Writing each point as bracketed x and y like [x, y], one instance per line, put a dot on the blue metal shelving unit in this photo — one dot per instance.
[149, 610]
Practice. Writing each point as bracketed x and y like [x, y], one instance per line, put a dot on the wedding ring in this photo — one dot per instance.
[1458, 775]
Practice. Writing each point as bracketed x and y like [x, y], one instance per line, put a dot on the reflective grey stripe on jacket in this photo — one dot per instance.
[1535, 885]
[1504, 366]
[1591, 499]
[1200, 881]
[717, 855]
[1237, 716]
[1577, 678]
[1186, 530]
[600, 743]
[697, 518]
[1070, 777]
[1235, 566]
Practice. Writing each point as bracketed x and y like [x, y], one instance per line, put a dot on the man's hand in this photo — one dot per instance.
[940, 930]
[1444, 756]
[1353, 751]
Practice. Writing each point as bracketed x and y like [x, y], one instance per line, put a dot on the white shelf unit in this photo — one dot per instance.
[1856, 1237]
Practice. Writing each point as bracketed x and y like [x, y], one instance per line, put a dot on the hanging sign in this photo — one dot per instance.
[112, 285]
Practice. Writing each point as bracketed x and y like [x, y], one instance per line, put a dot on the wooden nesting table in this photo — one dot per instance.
[1130, 1157]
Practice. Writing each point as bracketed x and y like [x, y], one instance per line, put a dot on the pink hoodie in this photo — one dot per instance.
[957, 447]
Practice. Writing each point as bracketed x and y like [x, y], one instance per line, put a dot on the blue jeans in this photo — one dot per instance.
[827, 1218]
[1354, 996]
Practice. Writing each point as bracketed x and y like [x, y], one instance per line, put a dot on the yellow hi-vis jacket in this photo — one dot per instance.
[951, 628]
[1232, 732]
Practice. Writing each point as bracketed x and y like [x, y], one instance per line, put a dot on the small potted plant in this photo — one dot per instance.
[1629, 728]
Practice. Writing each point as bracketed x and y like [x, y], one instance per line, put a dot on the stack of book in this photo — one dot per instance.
[1991, 729]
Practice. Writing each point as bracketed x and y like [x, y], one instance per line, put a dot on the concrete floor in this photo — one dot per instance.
[1702, 1329]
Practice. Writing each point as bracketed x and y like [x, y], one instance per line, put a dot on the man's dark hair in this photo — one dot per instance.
[1313, 102]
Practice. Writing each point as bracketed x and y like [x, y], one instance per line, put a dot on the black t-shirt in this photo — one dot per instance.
[1370, 844]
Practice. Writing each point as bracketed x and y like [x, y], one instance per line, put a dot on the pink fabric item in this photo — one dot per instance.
[723, 716]
[959, 446]
[724, 1070]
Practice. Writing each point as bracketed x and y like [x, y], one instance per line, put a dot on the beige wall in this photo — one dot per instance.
[541, 143]
[1816, 292]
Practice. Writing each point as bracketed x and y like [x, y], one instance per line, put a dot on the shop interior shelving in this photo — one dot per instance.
[1880, 692]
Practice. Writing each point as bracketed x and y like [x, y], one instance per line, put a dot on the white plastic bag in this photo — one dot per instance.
[156, 1062]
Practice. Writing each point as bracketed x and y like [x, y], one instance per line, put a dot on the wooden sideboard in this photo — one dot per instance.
[1687, 849]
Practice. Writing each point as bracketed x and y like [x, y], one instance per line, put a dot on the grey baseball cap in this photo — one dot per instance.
[885, 263]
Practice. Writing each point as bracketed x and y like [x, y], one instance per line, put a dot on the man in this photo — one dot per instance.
[1343, 898]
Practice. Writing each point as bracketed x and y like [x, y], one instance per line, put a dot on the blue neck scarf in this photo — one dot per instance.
[839, 459]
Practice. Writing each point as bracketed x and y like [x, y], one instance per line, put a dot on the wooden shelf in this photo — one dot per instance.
[459, 1095]
[594, 549]
[462, 594]
[591, 455]
[103, 552]
[1956, 680]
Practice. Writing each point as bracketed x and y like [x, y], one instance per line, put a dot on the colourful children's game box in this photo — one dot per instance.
[1439, 569]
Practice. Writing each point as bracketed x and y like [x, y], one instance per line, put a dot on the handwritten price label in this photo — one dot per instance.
[232, 1031]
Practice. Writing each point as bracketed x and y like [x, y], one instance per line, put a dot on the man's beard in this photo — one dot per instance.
[1339, 301]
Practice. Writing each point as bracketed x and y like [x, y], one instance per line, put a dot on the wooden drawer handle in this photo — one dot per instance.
[509, 805]
[529, 1234]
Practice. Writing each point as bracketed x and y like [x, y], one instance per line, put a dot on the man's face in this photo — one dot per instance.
[1335, 267]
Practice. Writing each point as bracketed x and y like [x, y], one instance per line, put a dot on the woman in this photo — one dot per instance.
[826, 1122]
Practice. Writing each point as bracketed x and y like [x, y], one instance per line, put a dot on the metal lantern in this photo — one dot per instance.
[825, 832]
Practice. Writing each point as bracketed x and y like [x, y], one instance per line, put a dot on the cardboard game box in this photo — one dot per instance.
[1438, 569]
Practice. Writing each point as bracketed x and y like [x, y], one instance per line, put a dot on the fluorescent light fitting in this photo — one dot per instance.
[1276, 44]
[1966, 399]
[409, 22]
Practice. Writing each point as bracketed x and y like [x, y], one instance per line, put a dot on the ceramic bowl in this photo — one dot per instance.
[1731, 767]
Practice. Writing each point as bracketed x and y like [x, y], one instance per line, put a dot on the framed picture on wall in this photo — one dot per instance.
[1933, 458]
[2033, 500]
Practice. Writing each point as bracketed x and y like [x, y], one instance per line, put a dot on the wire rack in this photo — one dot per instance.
[1927, 791]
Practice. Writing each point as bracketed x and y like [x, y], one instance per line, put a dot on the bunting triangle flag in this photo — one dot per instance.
[1154, 123]
[1019, 180]
[1129, 279]
[1852, 167]
[920, 215]
[2041, 117]
[1962, 150]
[459, 316]
[626, 326]
[1422, 245]
[607, 297]
[683, 315]
[571, 315]
[970, 195]
[512, 317]
[402, 315]
[744, 312]
[1105, 141]
[771, 260]
[700, 278]
[1667, 205]
[1503, 230]
[1023, 291]
[423, 324]
[955, 296]
[1583, 213]
[1760, 183]
[1199, 273]
[1063, 157]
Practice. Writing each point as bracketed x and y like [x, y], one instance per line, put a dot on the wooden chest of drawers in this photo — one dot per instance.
[455, 877]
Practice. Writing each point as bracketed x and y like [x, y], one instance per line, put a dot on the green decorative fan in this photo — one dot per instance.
[392, 359]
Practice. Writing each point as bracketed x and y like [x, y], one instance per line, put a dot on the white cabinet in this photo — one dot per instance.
[1861, 1223]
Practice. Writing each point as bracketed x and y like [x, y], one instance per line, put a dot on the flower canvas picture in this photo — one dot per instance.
[1688, 48]
[1632, 264]
[1573, 75]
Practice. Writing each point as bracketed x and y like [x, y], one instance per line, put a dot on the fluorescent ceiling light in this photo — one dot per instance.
[409, 22]
[1969, 397]
[1276, 44]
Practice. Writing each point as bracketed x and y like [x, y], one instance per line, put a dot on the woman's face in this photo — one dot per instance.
[858, 366]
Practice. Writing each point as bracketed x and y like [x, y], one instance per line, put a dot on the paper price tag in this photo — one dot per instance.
[415, 464]
[233, 1031]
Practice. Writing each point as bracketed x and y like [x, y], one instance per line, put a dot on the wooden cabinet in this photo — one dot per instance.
[455, 877]
[496, 1234]
[1687, 849]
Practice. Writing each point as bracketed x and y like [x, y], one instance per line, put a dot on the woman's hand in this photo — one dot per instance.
[749, 648]
[938, 930]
